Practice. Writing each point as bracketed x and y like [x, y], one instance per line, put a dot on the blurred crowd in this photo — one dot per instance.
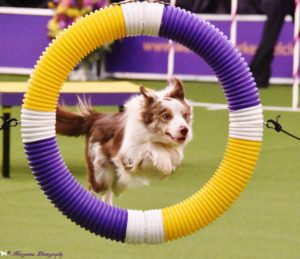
[197, 6]
[67, 11]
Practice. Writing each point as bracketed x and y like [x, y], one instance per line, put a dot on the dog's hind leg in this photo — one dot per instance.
[101, 177]
[104, 179]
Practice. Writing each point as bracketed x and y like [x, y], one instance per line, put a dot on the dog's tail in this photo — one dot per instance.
[75, 124]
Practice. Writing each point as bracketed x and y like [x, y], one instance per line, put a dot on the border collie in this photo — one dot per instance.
[121, 147]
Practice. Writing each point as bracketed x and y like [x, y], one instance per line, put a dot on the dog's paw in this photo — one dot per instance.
[163, 164]
[127, 163]
[122, 181]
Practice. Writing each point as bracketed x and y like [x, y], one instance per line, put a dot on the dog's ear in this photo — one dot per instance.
[149, 98]
[144, 92]
[177, 90]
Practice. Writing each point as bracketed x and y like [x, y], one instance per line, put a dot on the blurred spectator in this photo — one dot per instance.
[66, 12]
[276, 10]
[205, 6]
[200, 6]
[250, 7]
[220, 6]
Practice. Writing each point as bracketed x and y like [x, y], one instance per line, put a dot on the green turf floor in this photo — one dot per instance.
[263, 223]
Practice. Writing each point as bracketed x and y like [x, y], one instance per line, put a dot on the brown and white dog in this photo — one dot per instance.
[151, 133]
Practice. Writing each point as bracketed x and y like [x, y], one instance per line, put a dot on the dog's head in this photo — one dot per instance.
[167, 115]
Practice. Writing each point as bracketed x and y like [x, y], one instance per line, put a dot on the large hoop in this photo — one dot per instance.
[38, 123]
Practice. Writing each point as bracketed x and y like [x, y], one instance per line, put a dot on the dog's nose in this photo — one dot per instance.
[184, 130]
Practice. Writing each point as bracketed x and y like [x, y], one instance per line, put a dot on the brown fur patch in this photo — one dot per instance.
[177, 91]
[72, 124]
[179, 94]
[105, 128]
[188, 111]
[152, 116]
[150, 112]
[108, 130]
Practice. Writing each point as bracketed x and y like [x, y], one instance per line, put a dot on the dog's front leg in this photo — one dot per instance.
[176, 157]
[123, 174]
[122, 181]
[161, 159]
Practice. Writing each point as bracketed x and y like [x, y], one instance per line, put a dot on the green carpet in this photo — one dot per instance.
[263, 223]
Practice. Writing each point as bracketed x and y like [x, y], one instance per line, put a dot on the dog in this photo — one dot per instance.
[121, 147]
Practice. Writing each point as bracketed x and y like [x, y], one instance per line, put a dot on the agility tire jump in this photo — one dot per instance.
[38, 123]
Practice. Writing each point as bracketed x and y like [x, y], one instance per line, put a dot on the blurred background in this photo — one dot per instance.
[269, 46]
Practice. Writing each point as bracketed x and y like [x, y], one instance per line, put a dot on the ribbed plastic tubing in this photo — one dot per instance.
[105, 26]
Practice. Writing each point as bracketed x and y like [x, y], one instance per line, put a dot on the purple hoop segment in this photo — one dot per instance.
[69, 196]
[213, 46]
[42, 150]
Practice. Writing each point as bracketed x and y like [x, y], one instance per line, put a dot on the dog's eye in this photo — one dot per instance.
[186, 116]
[167, 116]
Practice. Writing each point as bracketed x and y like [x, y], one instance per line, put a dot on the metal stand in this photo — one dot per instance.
[6, 143]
